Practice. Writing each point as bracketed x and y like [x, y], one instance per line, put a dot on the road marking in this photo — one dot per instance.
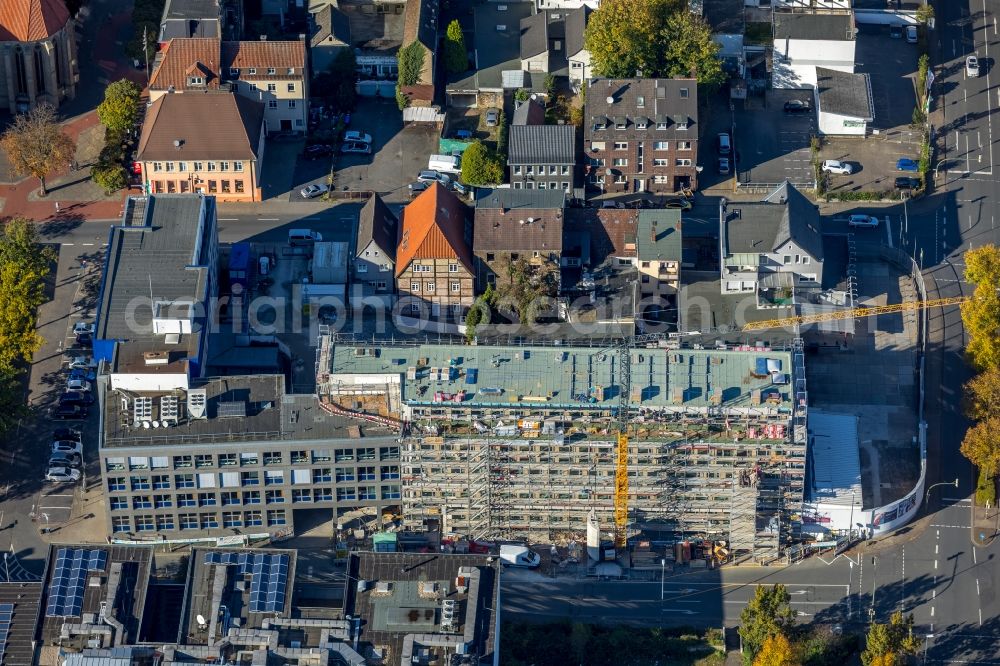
[68, 244]
[980, 617]
[977, 587]
[974, 561]
[267, 219]
[956, 499]
[935, 564]
[932, 611]
[229, 219]
[956, 527]
[87, 244]
[935, 549]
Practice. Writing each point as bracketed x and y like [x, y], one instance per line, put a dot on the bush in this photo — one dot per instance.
[986, 490]
[864, 195]
[112, 177]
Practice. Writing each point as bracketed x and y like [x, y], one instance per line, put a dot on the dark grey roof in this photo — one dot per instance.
[576, 24]
[658, 236]
[534, 35]
[844, 93]
[497, 51]
[510, 198]
[420, 23]
[190, 18]
[542, 144]
[331, 22]
[530, 112]
[763, 226]
[661, 99]
[377, 223]
[833, 27]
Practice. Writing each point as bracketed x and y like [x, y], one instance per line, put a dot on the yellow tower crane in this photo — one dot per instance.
[621, 459]
[854, 312]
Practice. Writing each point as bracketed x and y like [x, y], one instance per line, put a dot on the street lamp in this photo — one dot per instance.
[943, 483]
[663, 567]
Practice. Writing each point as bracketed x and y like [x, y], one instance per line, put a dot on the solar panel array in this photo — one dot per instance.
[268, 577]
[6, 613]
[69, 580]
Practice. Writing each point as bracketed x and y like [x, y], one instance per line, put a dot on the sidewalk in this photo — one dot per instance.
[984, 525]
[87, 522]
[70, 193]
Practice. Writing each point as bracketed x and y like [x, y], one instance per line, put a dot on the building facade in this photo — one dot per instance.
[641, 135]
[38, 62]
[542, 157]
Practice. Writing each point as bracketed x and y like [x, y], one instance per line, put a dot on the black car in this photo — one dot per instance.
[66, 434]
[797, 106]
[70, 411]
[64, 460]
[907, 183]
[316, 151]
[84, 340]
[78, 397]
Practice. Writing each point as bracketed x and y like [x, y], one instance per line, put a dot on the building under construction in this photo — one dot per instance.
[519, 441]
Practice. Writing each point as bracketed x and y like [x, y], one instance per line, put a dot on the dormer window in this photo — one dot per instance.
[234, 71]
[640, 101]
[621, 123]
[641, 123]
[661, 126]
[684, 93]
[253, 70]
[196, 81]
[600, 124]
[271, 71]
[291, 70]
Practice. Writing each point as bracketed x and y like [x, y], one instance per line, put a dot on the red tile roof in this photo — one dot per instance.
[31, 20]
[177, 58]
[432, 226]
[281, 55]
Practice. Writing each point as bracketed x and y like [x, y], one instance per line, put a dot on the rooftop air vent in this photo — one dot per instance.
[156, 357]
[197, 402]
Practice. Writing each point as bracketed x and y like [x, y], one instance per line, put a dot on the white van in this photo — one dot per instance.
[444, 163]
[303, 237]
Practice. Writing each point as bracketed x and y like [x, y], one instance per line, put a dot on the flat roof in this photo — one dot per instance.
[24, 600]
[265, 413]
[407, 593]
[834, 459]
[564, 377]
[121, 583]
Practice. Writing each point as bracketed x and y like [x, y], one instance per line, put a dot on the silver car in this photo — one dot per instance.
[313, 191]
[492, 117]
[62, 474]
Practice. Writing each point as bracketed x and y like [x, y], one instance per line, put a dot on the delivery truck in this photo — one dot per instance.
[445, 163]
[514, 555]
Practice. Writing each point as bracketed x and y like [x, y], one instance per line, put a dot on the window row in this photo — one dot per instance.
[238, 479]
[186, 186]
[252, 458]
[531, 169]
[431, 287]
[197, 166]
[197, 521]
[251, 497]
[530, 185]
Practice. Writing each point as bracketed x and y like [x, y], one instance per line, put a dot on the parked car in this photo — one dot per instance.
[313, 191]
[82, 373]
[838, 167]
[906, 164]
[461, 188]
[680, 204]
[82, 362]
[67, 434]
[907, 183]
[866, 221]
[463, 135]
[67, 447]
[70, 411]
[317, 151]
[723, 143]
[911, 34]
[417, 187]
[62, 475]
[359, 147]
[263, 264]
[81, 385]
[80, 397]
[434, 177]
[355, 135]
[84, 340]
[895, 31]
[81, 327]
[610, 203]
[797, 106]
[972, 67]
[492, 117]
[724, 166]
[64, 460]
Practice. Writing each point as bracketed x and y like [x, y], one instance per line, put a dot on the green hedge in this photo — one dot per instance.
[986, 490]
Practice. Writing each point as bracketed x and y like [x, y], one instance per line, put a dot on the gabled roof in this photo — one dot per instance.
[612, 231]
[832, 27]
[534, 35]
[844, 94]
[759, 227]
[432, 226]
[209, 125]
[658, 237]
[179, 55]
[670, 101]
[800, 222]
[519, 221]
[420, 23]
[281, 55]
[31, 20]
[542, 144]
[497, 50]
[377, 224]
[530, 112]
[330, 22]
[576, 24]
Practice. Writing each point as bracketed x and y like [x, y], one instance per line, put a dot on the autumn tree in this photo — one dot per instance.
[981, 445]
[982, 395]
[981, 313]
[768, 613]
[480, 166]
[690, 50]
[892, 640]
[776, 651]
[120, 108]
[24, 266]
[456, 57]
[36, 145]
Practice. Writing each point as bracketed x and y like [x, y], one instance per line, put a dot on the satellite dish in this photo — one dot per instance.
[610, 100]
[201, 619]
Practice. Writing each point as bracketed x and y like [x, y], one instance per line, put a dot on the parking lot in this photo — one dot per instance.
[398, 153]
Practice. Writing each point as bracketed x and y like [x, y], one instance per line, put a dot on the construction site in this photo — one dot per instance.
[659, 441]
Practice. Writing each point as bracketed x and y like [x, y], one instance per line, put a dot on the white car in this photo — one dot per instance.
[432, 176]
[82, 362]
[355, 135]
[865, 221]
[81, 385]
[81, 327]
[972, 67]
[838, 167]
[911, 34]
[67, 448]
[313, 191]
[62, 475]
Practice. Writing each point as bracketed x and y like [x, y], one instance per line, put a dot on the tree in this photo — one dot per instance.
[410, 60]
[625, 36]
[36, 145]
[689, 49]
[456, 57]
[895, 638]
[502, 133]
[120, 108]
[480, 166]
[767, 614]
[925, 13]
[335, 84]
[981, 445]
[12, 407]
[776, 651]
[981, 313]
[982, 395]
[24, 266]
[525, 284]
[111, 177]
